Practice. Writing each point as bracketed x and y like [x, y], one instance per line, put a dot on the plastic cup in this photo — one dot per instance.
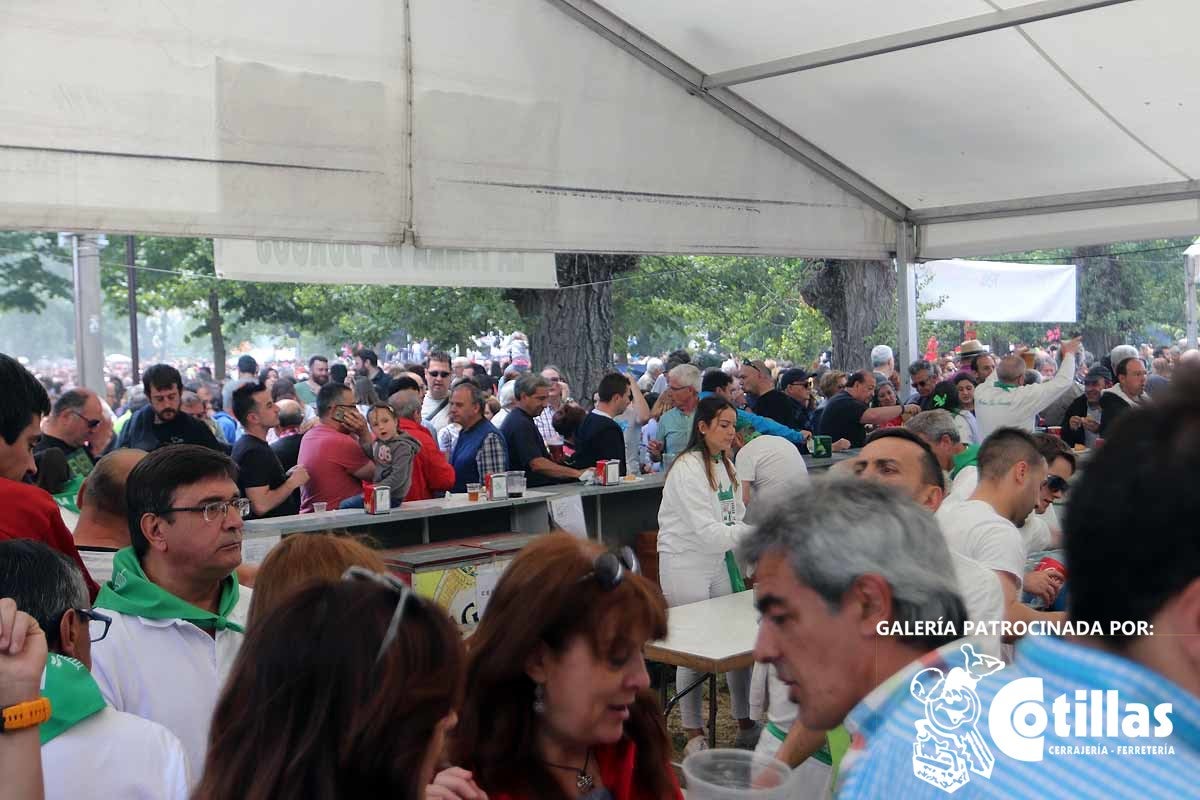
[732, 774]
[319, 508]
[516, 484]
[473, 490]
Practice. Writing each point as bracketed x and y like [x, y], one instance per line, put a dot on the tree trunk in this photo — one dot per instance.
[218, 339]
[572, 326]
[855, 297]
[1100, 292]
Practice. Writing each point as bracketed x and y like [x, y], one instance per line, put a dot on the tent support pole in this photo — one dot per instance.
[906, 304]
[1190, 263]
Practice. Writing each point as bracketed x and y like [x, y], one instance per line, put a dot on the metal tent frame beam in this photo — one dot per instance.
[932, 34]
[1059, 203]
[746, 114]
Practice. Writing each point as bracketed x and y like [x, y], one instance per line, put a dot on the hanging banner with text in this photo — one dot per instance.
[281, 261]
[995, 291]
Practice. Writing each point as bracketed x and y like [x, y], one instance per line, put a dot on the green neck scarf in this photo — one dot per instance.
[131, 592]
[1006, 387]
[73, 695]
[967, 458]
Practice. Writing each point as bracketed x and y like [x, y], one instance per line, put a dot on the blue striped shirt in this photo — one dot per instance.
[884, 726]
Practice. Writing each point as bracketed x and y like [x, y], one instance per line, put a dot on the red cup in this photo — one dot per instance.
[1055, 430]
[1051, 563]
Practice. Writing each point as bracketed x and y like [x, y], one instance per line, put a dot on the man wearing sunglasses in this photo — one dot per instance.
[435, 408]
[72, 421]
[920, 374]
[177, 610]
[140, 758]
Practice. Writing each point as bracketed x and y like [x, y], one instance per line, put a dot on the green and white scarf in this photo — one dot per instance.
[73, 695]
[131, 592]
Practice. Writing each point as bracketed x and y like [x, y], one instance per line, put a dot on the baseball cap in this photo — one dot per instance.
[1097, 373]
[790, 376]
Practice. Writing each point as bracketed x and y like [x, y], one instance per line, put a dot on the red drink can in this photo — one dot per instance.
[1055, 430]
[601, 465]
[1051, 563]
[369, 498]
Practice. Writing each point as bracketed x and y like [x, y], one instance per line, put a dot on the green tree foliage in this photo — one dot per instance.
[742, 305]
[27, 275]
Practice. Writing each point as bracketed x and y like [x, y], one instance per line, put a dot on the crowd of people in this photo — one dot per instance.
[172, 670]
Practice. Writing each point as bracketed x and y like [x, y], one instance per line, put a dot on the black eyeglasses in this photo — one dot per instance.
[1056, 483]
[215, 510]
[98, 623]
[437, 373]
[609, 568]
[389, 582]
[91, 423]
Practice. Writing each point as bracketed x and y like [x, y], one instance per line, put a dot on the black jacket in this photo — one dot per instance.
[141, 432]
[598, 437]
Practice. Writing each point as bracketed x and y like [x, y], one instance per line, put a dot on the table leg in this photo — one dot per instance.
[599, 518]
[712, 709]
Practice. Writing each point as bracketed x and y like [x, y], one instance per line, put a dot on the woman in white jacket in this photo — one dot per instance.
[699, 521]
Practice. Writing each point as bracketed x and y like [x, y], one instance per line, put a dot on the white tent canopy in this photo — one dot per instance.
[791, 127]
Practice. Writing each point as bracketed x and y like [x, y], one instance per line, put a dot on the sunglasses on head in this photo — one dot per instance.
[1056, 483]
[609, 569]
[388, 582]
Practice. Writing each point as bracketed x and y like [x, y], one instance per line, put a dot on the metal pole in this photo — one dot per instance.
[131, 283]
[906, 306]
[1189, 265]
[89, 345]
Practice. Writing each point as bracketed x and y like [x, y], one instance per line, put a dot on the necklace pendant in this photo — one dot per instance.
[584, 782]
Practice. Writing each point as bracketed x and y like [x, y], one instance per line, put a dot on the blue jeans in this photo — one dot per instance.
[353, 502]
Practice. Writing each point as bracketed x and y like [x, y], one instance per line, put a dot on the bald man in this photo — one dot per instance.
[103, 526]
[288, 433]
[1003, 401]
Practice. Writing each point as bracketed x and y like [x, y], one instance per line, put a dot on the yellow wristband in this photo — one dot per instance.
[24, 715]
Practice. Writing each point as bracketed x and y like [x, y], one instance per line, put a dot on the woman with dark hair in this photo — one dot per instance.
[700, 521]
[365, 395]
[885, 396]
[268, 376]
[558, 704]
[946, 397]
[347, 690]
[964, 384]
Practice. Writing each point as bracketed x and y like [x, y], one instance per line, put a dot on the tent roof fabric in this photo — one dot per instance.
[789, 127]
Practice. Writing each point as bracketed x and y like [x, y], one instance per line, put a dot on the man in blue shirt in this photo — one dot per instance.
[675, 426]
[1110, 709]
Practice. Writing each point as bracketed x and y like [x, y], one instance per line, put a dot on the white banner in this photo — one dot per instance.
[994, 291]
[402, 265]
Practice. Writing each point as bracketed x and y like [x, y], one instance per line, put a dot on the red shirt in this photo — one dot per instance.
[330, 457]
[27, 512]
[431, 471]
[616, 763]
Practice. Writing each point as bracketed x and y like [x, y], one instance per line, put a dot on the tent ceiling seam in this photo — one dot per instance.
[650, 52]
[1094, 102]
[1051, 204]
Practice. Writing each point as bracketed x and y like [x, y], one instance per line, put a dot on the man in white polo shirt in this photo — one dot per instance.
[88, 748]
[1003, 402]
[177, 610]
[984, 528]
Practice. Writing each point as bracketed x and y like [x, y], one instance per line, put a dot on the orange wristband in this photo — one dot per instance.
[24, 715]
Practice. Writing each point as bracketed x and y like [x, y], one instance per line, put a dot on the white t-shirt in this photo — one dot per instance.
[974, 529]
[98, 562]
[115, 755]
[168, 671]
[982, 594]
[439, 420]
[771, 464]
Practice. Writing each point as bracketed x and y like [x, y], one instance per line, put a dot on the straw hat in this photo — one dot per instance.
[971, 348]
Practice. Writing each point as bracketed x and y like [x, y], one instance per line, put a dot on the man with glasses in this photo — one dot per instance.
[70, 426]
[555, 400]
[920, 374]
[334, 451]
[162, 422]
[435, 408]
[140, 758]
[675, 427]
[177, 610]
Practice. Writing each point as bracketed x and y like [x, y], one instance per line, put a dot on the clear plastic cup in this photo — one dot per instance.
[735, 774]
[516, 483]
[473, 491]
[319, 508]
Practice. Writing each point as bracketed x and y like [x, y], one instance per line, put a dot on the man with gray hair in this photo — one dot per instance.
[431, 472]
[76, 415]
[1003, 402]
[684, 382]
[883, 362]
[654, 368]
[854, 582]
[479, 448]
[937, 428]
[526, 448]
[89, 749]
